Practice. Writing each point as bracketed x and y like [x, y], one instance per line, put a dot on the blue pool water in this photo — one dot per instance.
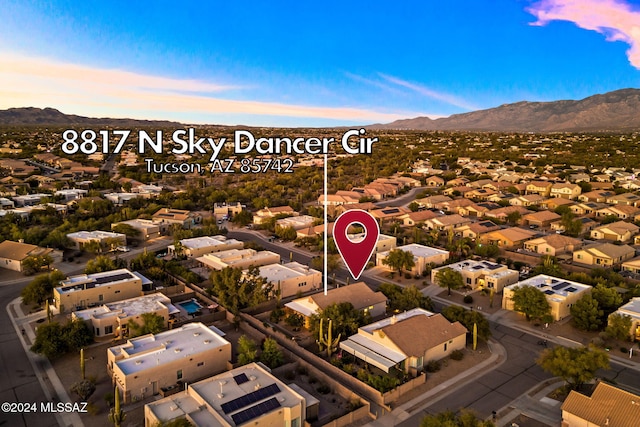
[191, 306]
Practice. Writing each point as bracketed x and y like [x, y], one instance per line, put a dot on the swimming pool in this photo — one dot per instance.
[192, 306]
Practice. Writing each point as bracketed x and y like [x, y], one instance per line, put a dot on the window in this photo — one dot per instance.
[116, 292]
[295, 422]
[108, 329]
[200, 364]
[445, 346]
[179, 374]
[97, 332]
[301, 284]
[468, 280]
[100, 297]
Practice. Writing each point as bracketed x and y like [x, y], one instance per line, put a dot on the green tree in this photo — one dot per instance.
[286, 233]
[608, 299]
[127, 230]
[53, 340]
[574, 365]
[237, 291]
[83, 388]
[397, 259]
[620, 327]
[346, 319]
[530, 301]
[586, 315]
[247, 350]
[455, 313]
[99, 264]
[152, 323]
[34, 263]
[41, 288]
[414, 206]
[243, 218]
[271, 354]
[549, 266]
[451, 419]
[403, 299]
[514, 217]
[449, 278]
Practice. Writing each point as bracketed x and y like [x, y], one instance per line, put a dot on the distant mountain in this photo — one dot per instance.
[51, 116]
[613, 111]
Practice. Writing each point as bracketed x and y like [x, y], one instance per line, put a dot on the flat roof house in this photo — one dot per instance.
[291, 278]
[238, 258]
[608, 406]
[632, 309]
[103, 238]
[481, 274]
[198, 246]
[147, 228]
[561, 294]
[183, 218]
[407, 341]
[422, 256]
[248, 395]
[144, 365]
[111, 319]
[89, 290]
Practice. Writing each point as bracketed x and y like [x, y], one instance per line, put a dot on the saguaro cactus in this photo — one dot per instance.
[82, 363]
[326, 339]
[116, 415]
[475, 336]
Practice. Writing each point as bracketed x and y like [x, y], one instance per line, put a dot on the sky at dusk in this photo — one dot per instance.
[303, 63]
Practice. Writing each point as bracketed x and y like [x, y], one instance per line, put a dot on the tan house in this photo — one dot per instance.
[540, 218]
[394, 341]
[147, 229]
[619, 211]
[143, 366]
[542, 188]
[90, 290]
[106, 239]
[434, 181]
[198, 246]
[561, 294]
[608, 406]
[631, 309]
[629, 199]
[587, 208]
[13, 254]
[565, 190]
[248, 395]
[238, 258]
[291, 278]
[617, 231]
[431, 201]
[555, 203]
[501, 214]
[422, 257]
[603, 254]
[447, 222]
[475, 229]
[481, 274]
[507, 237]
[599, 196]
[553, 244]
[527, 200]
[359, 295]
[111, 319]
[386, 215]
[166, 217]
[266, 213]
[413, 218]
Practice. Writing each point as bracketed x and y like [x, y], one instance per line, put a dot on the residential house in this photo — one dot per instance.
[198, 246]
[331, 200]
[561, 294]
[422, 256]
[389, 214]
[508, 237]
[296, 222]
[632, 309]
[359, 295]
[291, 278]
[457, 191]
[598, 196]
[105, 239]
[565, 190]
[182, 218]
[608, 406]
[248, 395]
[527, 200]
[30, 199]
[502, 214]
[542, 188]
[603, 254]
[555, 203]
[315, 231]
[553, 244]
[434, 181]
[111, 319]
[431, 201]
[414, 218]
[481, 274]
[393, 342]
[71, 194]
[454, 206]
[619, 211]
[238, 258]
[541, 218]
[619, 231]
[447, 222]
[587, 208]
[384, 243]
[90, 290]
[475, 229]
[13, 254]
[143, 366]
[630, 199]
[147, 229]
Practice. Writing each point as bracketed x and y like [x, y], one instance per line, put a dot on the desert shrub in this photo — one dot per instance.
[468, 299]
[457, 355]
[433, 366]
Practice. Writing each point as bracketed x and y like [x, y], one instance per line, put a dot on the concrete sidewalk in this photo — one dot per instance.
[47, 377]
[406, 410]
[534, 404]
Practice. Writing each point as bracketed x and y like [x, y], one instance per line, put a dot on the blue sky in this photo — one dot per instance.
[288, 63]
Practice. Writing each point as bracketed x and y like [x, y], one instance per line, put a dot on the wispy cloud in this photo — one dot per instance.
[27, 81]
[616, 20]
[429, 93]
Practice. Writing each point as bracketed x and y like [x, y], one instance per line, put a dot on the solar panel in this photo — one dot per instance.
[559, 286]
[255, 411]
[248, 399]
[390, 211]
[571, 289]
[241, 379]
[549, 292]
[112, 278]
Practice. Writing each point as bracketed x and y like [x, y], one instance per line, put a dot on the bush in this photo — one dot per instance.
[276, 315]
[468, 299]
[302, 370]
[624, 349]
[289, 375]
[407, 275]
[456, 355]
[433, 366]
[323, 389]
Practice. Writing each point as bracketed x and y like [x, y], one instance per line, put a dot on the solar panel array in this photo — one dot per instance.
[549, 292]
[112, 278]
[390, 211]
[241, 379]
[255, 411]
[571, 289]
[560, 286]
[249, 399]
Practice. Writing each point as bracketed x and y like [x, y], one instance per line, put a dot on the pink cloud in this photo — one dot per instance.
[616, 20]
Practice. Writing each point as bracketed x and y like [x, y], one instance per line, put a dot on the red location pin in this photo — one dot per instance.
[356, 254]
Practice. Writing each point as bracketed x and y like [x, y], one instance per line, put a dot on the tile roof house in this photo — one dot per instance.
[565, 190]
[13, 254]
[507, 237]
[553, 244]
[608, 406]
[393, 342]
[617, 231]
[541, 218]
[603, 254]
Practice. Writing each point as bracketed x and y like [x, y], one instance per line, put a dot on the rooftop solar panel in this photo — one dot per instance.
[112, 278]
[549, 292]
[559, 286]
[248, 399]
[241, 379]
[390, 211]
[571, 289]
[255, 411]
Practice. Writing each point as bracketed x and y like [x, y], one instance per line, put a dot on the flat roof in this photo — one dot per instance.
[128, 307]
[276, 272]
[207, 241]
[85, 281]
[420, 250]
[151, 350]
[632, 308]
[395, 318]
[97, 234]
[552, 286]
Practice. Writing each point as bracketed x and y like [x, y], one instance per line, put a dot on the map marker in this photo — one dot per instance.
[356, 254]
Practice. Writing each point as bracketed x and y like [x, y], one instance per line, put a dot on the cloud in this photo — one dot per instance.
[430, 93]
[79, 89]
[616, 20]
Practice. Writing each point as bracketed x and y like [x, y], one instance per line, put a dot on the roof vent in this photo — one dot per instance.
[252, 377]
[138, 362]
[173, 407]
[177, 350]
[207, 341]
[220, 395]
[257, 386]
[196, 334]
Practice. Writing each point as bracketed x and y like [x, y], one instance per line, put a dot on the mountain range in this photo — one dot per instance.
[613, 111]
